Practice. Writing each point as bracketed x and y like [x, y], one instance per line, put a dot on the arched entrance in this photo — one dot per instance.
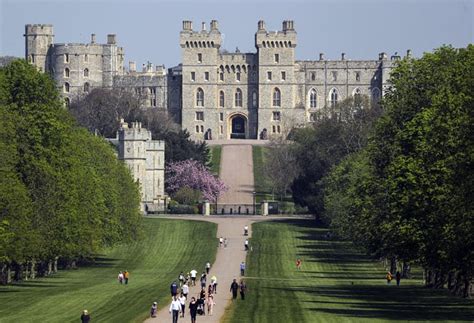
[237, 126]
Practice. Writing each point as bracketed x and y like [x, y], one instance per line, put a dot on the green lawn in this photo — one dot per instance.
[170, 246]
[262, 186]
[336, 283]
[216, 159]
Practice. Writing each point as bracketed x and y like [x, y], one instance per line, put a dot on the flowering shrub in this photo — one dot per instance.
[191, 173]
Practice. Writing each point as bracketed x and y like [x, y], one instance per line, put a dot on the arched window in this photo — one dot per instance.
[200, 97]
[357, 94]
[254, 99]
[313, 76]
[276, 97]
[66, 87]
[376, 95]
[221, 99]
[313, 99]
[86, 87]
[86, 72]
[238, 98]
[67, 102]
[66, 72]
[334, 97]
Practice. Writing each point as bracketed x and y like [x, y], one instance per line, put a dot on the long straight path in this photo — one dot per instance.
[237, 173]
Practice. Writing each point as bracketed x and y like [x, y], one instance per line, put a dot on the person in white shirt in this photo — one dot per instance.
[208, 267]
[185, 290]
[175, 308]
[182, 301]
[193, 276]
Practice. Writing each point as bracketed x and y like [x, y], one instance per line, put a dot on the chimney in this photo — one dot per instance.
[132, 66]
[187, 25]
[111, 39]
[321, 56]
[261, 25]
[214, 25]
[343, 56]
[92, 38]
[203, 26]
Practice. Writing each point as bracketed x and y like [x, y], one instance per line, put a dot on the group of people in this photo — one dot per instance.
[223, 242]
[389, 277]
[123, 277]
[236, 287]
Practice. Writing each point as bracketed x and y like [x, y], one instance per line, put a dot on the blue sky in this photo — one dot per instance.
[149, 30]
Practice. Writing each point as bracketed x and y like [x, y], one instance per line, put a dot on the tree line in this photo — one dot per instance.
[397, 179]
[63, 193]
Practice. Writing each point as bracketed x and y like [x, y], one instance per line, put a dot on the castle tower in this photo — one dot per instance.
[276, 60]
[200, 52]
[38, 40]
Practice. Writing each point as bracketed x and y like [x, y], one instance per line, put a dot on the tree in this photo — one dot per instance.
[194, 175]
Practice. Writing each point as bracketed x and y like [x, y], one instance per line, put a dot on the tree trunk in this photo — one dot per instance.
[466, 293]
[26, 271]
[393, 265]
[3, 274]
[406, 270]
[55, 265]
[33, 269]
[50, 268]
[9, 274]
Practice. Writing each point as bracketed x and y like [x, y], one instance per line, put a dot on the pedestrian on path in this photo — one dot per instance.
[154, 309]
[125, 277]
[208, 267]
[175, 308]
[221, 241]
[181, 279]
[243, 289]
[120, 277]
[85, 317]
[193, 276]
[398, 277]
[210, 303]
[174, 289]
[193, 309]
[246, 244]
[185, 290]
[234, 288]
[225, 242]
[214, 284]
[203, 280]
[182, 301]
[242, 269]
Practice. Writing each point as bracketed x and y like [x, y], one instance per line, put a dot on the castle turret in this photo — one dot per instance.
[38, 40]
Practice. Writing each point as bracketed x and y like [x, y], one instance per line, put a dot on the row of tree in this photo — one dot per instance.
[63, 193]
[402, 188]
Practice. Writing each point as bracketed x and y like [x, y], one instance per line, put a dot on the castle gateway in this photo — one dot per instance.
[216, 94]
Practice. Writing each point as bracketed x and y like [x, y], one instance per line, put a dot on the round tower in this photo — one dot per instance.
[38, 39]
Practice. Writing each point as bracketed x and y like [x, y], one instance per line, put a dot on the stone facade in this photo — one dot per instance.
[212, 93]
[146, 160]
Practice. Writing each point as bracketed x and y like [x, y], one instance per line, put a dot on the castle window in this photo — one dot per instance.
[32, 58]
[206, 76]
[313, 99]
[200, 116]
[199, 97]
[86, 72]
[334, 75]
[197, 129]
[357, 96]
[237, 76]
[66, 72]
[86, 87]
[254, 99]
[221, 76]
[276, 116]
[193, 76]
[238, 98]
[67, 102]
[276, 97]
[202, 128]
[357, 75]
[221, 129]
[375, 95]
[283, 76]
[221, 99]
[313, 117]
[153, 96]
[86, 58]
[313, 76]
[199, 58]
[274, 129]
[334, 97]
[277, 58]
[66, 87]
[66, 58]
[221, 116]
[269, 76]
[278, 129]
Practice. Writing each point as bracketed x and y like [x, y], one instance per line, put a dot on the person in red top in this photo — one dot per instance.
[298, 264]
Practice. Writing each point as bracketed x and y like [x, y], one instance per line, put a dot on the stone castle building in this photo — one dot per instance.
[215, 94]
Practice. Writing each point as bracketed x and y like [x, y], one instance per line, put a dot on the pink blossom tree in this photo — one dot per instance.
[191, 173]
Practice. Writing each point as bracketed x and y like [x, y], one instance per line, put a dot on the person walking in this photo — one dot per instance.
[125, 277]
[175, 308]
[214, 284]
[185, 290]
[389, 277]
[174, 289]
[243, 289]
[208, 267]
[120, 277]
[85, 317]
[193, 276]
[398, 277]
[298, 264]
[242, 269]
[225, 243]
[246, 244]
[246, 230]
[234, 288]
[203, 280]
[182, 301]
[181, 279]
[154, 309]
[221, 241]
[210, 303]
[193, 309]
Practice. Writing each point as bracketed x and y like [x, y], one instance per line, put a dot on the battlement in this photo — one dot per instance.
[133, 133]
[285, 38]
[190, 38]
[38, 29]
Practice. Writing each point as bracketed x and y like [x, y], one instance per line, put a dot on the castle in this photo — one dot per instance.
[215, 94]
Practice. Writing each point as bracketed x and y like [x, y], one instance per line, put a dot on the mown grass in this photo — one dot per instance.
[216, 152]
[336, 283]
[169, 246]
[262, 186]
